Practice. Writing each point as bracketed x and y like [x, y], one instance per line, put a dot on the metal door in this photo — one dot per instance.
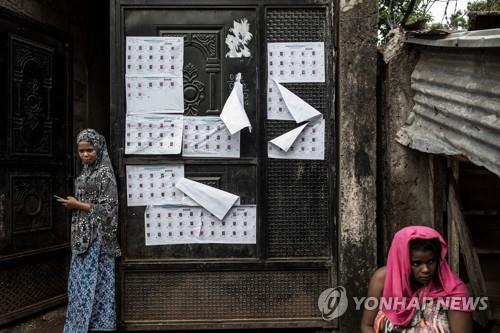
[35, 163]
[276, 282]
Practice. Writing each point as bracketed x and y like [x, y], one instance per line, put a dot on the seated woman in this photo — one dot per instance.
[417, 291]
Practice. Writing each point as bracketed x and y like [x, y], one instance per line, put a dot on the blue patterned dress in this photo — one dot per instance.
[91, 292]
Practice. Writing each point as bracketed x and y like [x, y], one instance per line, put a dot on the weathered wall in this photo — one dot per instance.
[357, 63]
[406, 196]
[86, 24]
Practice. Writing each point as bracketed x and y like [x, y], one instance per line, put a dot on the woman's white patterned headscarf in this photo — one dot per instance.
[99, 142]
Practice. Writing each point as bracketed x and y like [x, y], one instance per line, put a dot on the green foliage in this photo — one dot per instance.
[457, 21]
[391, 13]
[437, 26]
[483, 6]
[476, 6]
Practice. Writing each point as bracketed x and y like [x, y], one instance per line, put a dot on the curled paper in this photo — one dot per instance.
[298, 108]
[216, 201]
[285, 141]
[233, 114]
[309, 145]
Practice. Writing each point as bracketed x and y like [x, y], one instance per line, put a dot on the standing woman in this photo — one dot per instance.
[417, 271]
[94, 245]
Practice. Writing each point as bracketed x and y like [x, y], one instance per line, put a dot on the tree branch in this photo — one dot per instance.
[408, 12]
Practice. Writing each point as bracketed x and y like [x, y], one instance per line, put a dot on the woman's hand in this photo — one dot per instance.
[71, 203]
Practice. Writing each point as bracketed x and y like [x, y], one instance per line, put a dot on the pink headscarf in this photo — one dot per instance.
[398, 273]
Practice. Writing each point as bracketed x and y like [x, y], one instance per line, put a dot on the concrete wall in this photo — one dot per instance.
[383, 186]
[357, 132]
[406, 195]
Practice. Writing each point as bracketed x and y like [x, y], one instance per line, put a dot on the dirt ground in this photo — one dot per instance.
[49, 322]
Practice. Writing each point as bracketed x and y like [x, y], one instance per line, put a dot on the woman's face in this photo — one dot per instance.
[87, 153]
[423, 265]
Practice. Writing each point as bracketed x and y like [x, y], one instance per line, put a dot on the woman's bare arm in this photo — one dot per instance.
[460, 321]
[375, 289]
[72, 203]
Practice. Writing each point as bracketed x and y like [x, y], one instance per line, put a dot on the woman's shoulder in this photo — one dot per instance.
[106, 173]
[378, 277]
[377, 281]
[380, 273]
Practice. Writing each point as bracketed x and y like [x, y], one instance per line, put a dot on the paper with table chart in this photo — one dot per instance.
[308, 145]
[209, 137]
[285, 141]
[276, 107]
[217, 202]
[296, 61]
[233, 113]
[154, 56]
[153, 134]
[155, 185]
[186, 225]
[285, 105]
[154, 95]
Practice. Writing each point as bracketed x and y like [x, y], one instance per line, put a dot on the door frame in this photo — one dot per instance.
[117, 115]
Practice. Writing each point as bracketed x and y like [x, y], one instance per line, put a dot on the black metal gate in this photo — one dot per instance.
[35, 161]
[276, 282]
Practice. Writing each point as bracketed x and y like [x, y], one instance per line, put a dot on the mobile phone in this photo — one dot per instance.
[57, 197]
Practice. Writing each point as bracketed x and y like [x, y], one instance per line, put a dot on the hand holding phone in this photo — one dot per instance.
[57, 197]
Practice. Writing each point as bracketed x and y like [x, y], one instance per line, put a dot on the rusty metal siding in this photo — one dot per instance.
[464, 39]
[457, 105]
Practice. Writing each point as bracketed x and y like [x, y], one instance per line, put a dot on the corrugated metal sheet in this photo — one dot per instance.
[457, 105]
[474, 39]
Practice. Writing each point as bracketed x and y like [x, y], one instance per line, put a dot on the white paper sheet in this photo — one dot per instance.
[296, 106]
[154, 56]
[154, 95]
[285, 141]
[155, 185]
[209, 137]
[233, 114]
[153, 134]
[296, 62]
[216, 201]
[166, 225]
[310, 144]
[172, 224]
[238, 227]
[238, 38]
[276, 107]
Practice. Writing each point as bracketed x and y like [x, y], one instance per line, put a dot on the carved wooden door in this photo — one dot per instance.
[275, 282]
[35, 162]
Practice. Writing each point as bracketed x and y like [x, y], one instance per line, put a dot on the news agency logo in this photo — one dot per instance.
[333, 303]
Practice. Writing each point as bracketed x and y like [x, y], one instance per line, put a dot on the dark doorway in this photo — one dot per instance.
[35, 163]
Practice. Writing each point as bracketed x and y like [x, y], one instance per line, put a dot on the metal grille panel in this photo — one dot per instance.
[28, 284]
[296, 25]
[166, 296]
[297, 191]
